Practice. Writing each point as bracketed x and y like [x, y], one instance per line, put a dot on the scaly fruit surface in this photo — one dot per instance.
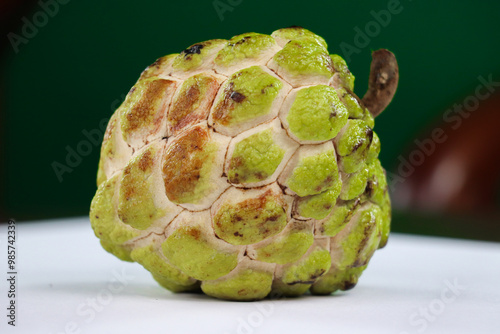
[243, 167]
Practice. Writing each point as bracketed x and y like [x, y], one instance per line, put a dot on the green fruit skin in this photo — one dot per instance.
[255, 158]
[314, 174]
[317, 114]
[189, 250]
[248, 94]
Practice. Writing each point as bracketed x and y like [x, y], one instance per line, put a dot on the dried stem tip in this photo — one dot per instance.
[384, 76]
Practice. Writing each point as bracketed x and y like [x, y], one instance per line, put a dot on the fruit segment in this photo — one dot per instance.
[248, 98]
[256, 157]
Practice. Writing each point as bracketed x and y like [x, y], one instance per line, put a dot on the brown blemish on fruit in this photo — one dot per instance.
[223, 110]
[190, 106]
[194, 49]
[148, 110]
[183, 162]
[348, 285]
[194, 232]
[146, 161]
[237, 97]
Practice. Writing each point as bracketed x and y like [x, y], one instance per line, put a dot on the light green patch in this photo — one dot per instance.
[368, 118]
[353, 144]
[293, 33]
[307, 270]
[245, 46]
[314, 174]
[362, 240]
[286, 248]
[377, 183]
[159, 66]
[385, 222]
[250, 221]
[196, 55]
[374, 149]
[340, 66]
[248, 93]
[305, 57]
[119, 251]
[338, 219]
[356, 111]
[337, 280]
[255, 158]
[248, 284]
[136, 206]
[320, 205]
[103, 218]
[189, 250]
[317, 114]
[354, 184]
[166, 273]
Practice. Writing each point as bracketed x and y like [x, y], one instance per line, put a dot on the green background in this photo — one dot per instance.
[69, 76]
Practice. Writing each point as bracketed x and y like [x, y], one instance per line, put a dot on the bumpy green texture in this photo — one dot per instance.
[359, 243]
[354, 184]
[320, 205]
[244, 169]
[136, 206]
[355, 108]
[149, 257]
[244, 46]
[294, 33]
[249, 284]
[255, 158]
[374, 149]
[189, 250]
[251, 220]
[105, 222]
[288, 247]
[337, 279]
[352, 145]
[308, 269]
[249, 93]
[317, 114]
[337, 219]
[196, 55]
[341, 68]
[314, 174]
[305, 56]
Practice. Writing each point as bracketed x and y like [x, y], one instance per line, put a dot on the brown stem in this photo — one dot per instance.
[384, 76]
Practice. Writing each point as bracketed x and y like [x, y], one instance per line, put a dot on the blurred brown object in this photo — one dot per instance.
[462, 173]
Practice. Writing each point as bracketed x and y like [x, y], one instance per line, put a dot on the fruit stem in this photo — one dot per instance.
[383, 82]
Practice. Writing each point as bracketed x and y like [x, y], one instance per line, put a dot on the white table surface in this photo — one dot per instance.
[68, 284]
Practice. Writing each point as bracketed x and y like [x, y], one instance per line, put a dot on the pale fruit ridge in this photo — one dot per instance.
[243, 168]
